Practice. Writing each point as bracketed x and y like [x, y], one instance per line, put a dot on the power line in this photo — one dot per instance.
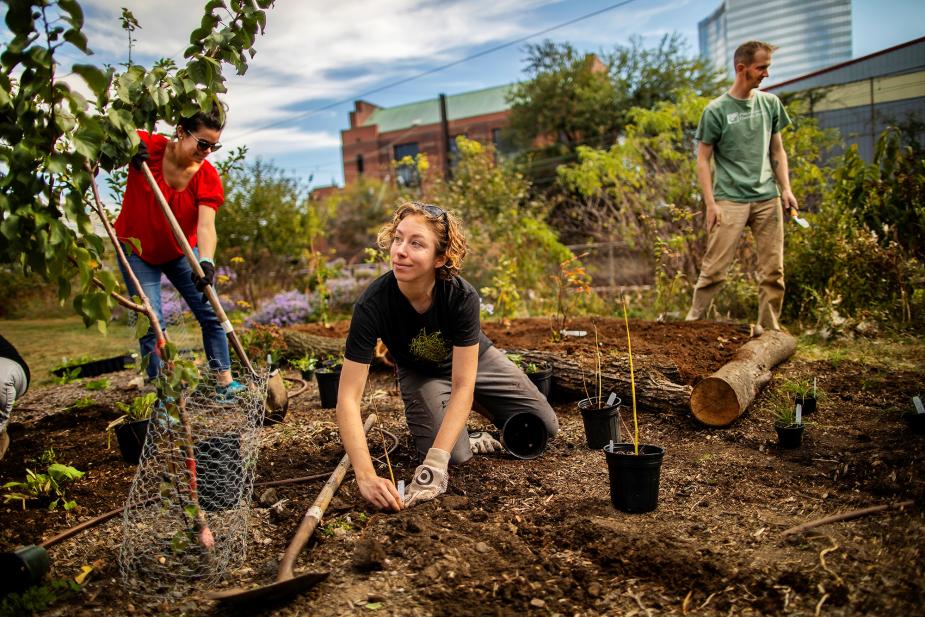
[436, 69]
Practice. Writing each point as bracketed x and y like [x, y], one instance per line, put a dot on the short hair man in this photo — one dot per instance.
[740, 133]
[14, 380]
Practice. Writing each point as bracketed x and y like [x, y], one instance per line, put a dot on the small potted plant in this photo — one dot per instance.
[132, 426]
[788, 420]
[540, 373]
[634, 468]
[327, 372]
[305, 365]
[806, 393]
[916, 419]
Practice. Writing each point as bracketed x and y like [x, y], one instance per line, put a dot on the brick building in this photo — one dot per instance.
[378, 135]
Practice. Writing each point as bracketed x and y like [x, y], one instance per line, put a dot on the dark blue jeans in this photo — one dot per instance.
[178, 273]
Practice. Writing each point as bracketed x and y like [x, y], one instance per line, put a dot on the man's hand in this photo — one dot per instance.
[208, 270]
[789, 202]
[713, 216]
[481, 442]
[430, 478]
[380, 492]
[141, 156]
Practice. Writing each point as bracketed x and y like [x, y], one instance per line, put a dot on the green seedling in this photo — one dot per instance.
[48, 486]
[97, 384]
[306, 363]
[139, 409]
[81, 403]
[39, 597]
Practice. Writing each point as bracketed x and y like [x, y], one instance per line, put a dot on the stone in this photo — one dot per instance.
[368, 556]
[481, 547]
[269, 497]
[536, 602]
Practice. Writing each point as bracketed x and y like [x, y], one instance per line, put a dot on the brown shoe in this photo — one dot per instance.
[4, 443]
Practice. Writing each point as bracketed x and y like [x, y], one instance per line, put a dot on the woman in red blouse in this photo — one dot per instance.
[193, 188]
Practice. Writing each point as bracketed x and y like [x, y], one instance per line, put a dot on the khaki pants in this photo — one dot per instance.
[501, 390]
[766, 219]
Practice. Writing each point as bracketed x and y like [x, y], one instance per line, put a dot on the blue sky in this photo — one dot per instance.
[316, 54]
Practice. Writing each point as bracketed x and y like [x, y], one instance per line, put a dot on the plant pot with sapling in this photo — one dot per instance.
[328, 375]
[306, 366]
[788, 420]
[634, 469]
[915, 419]
[805, 392]
[132, 427]
[540, 373]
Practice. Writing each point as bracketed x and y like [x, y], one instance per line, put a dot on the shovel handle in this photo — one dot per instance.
[184, 244]
[316, 511]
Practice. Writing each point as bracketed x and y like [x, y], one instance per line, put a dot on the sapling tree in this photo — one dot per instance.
[54, 141]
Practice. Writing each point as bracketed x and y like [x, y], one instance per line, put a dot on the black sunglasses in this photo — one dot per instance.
[436, 212]
[204, 145]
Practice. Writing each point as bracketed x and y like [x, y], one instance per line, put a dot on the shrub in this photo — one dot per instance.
[283, 309]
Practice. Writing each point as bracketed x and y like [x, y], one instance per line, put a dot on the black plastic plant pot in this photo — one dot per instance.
[23, 568]
[307, 375]
[602, 421]
[95, 368]
[634, 478]
[916, 421]
[219, 472]
[131, 438]
[809, 405]
[542, 379]
[328, 381]
[524, 435]
[789, 435]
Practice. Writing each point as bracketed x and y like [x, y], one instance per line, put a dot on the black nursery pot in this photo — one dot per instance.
[328, 382]
[789, 435]
[131, 438]
[307, 375]
[542, 379]
[219, 472]
[809, 405]
[602, 422]
[94, 368]
[22, 569]
[524, 435]
[634, 478]
[916, 421]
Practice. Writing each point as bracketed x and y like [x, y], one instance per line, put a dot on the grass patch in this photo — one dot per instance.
[892, 352]
[46, 343]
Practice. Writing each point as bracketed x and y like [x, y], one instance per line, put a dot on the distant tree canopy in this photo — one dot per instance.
[571, 98]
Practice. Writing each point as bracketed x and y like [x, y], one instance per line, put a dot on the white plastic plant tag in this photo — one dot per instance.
[401, 488]
[814, 387]
[611, 399]
[611, 445]
[799, 418]
[919, 408]
[573, 332]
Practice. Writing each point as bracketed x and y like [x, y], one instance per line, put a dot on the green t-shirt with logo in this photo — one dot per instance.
[740, 132]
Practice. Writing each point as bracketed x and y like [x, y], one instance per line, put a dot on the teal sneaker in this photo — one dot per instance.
[228, 393]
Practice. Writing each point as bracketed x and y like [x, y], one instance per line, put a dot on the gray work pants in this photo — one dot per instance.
[12, 386]
[501, 390]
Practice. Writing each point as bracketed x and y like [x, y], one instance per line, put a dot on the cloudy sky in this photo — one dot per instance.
[317, 57]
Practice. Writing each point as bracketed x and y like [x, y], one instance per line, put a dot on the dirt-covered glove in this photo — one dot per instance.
[430, 478]
[141, 156]
[481, 442]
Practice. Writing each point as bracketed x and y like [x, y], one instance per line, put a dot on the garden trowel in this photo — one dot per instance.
[796, 218]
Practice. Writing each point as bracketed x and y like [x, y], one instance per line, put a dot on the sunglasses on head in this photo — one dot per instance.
[204, 145]
[435, 212]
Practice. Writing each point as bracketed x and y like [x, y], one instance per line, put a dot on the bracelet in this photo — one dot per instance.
[206, 259]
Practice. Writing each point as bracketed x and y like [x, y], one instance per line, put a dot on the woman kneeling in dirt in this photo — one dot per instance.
[428, 317]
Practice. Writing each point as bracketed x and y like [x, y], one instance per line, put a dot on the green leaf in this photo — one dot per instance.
[215, 4]
[78, 39]
[373, 606]
[97, 80]
[141, 326]
[19, 17]
[72, 7]
[133, 244]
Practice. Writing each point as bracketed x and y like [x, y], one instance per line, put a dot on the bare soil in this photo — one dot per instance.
[541, 537]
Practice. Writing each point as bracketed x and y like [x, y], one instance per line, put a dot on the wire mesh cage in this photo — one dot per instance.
[186, 516]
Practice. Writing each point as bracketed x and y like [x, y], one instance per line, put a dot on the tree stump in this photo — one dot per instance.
[300, 344]
[657, 387]
[723, 396]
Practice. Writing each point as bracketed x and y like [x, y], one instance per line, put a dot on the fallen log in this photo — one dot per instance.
[657, 387]
[300, 344]
[723, 396]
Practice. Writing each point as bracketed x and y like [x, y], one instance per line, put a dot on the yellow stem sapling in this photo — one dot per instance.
[629, 350]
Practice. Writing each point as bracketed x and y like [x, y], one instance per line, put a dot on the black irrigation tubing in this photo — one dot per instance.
[72, 531]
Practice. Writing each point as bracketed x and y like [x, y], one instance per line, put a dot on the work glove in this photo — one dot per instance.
[430, 478]
[481, 442]
[141, 156]
[208, 269]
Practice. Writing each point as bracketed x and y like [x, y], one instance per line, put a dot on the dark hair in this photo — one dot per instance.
[745, 53]
[213, 119]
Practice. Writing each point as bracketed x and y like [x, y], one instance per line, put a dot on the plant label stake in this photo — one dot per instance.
[611, 445]
[799, 415]
[401, 489]
[610, 400]
[919, 408]
[814, 387]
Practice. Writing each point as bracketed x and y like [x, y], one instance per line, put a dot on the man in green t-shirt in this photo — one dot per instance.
[740, 133]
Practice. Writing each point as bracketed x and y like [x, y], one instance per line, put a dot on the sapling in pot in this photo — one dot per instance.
[306, 365]
[634, 468]
[806, 392]
[916, 418]
[540, 373]
[132, 427]
[328, 375]
[788, 419]
[600, 414]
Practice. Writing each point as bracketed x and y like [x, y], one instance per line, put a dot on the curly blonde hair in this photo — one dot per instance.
[451, 240]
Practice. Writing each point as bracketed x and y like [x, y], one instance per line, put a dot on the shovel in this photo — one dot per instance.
[277, 402]
[794, 216]
[287, 583]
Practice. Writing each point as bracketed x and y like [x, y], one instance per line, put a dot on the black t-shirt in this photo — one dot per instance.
[422, 342]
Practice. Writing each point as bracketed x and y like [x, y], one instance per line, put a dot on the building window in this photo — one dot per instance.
[360, 167]
[406, 170]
